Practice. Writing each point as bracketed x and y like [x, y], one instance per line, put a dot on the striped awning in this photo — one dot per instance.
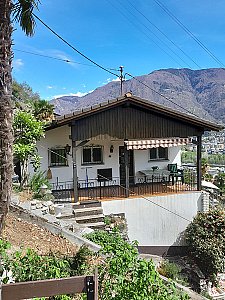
[155, 143]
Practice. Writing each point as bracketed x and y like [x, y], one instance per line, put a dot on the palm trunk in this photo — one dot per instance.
[24, 174]
[6, 136]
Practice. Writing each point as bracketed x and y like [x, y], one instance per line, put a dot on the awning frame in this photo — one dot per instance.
[155, 143]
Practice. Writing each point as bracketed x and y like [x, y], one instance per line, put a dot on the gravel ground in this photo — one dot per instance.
[22, 234]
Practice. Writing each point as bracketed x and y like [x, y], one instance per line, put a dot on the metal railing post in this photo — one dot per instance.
[90, 287]
[96, 284]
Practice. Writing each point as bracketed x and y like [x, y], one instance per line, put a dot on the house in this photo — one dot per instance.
[125, 149]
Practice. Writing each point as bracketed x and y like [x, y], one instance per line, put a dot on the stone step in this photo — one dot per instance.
[87, 211]
[97, 225]
[86, 204]
[90, 219]
[62, 201]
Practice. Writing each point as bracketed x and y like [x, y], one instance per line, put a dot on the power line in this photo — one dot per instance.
[161, 95]
[103, 68]
[166, 36]
[56, 58]
[162, 49]
[71, 46]
[205, 48]
[161, 40]
[61, 59]
[143, 197]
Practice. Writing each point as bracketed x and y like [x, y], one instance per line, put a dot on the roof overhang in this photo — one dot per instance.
[141, 103]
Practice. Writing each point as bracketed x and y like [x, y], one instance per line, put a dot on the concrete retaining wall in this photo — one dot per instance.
[150, 224]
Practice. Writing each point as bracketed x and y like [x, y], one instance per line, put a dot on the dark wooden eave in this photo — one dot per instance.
[145, 105]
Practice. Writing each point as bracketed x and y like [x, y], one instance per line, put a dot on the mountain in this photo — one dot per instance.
[201, 92]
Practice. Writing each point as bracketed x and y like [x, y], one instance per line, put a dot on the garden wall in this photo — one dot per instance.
[156, 229]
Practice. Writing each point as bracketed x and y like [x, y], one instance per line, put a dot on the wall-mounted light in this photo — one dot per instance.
[111, 149]
[67, 148]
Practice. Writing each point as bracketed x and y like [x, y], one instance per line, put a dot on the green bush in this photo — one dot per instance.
[30, 266]
[169, 269]
[79, 263]
[206, 239]
[37, 180]
[124, 276]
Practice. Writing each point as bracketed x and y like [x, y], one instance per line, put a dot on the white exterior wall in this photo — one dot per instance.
[59, 137]
[141, 158]
[151, 225]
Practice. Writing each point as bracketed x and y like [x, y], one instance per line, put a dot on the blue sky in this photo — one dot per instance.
[115, 33]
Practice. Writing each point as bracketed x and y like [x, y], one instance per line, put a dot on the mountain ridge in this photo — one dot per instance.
[201, 92]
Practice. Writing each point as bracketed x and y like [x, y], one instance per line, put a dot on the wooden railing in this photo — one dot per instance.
[51, 287]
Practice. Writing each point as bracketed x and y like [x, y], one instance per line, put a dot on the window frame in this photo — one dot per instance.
[92, 162]
[57, 164]
[157, 154]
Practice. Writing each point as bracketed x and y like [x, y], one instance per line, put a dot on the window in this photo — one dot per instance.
[92, 155]
[58, 157]
[159, 153]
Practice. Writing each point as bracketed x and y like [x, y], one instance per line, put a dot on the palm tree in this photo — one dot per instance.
[43, 110]
[20, 11]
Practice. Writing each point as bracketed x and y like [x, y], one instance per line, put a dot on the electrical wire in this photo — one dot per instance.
[103, 68]
[162, 49]
[72, 47]
[165, 35]
[205, 48]
[56, 58]
[153, 33]
[143, 197]
[61, 59]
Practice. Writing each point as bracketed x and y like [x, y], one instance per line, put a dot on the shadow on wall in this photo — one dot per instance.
[200, 203]
[178, 248]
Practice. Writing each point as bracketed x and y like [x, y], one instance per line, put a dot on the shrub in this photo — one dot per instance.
[79, 263]
[124, 276]
[206, 239]
[30, 266]
[169, 269]
[37, 180]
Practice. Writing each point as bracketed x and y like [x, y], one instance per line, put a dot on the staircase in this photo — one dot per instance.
[90, 214]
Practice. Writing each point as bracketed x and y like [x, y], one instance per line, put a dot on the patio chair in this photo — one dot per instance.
[175, 173]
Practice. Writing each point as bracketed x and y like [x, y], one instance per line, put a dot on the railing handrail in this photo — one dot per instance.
[51, 287]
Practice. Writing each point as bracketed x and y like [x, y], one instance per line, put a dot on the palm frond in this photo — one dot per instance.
[22, 13]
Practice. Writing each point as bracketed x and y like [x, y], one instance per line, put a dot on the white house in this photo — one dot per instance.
[128, 150]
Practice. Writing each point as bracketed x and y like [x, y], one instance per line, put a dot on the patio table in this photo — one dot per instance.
[156, 175]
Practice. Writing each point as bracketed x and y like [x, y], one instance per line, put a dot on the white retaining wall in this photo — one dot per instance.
[151, 225]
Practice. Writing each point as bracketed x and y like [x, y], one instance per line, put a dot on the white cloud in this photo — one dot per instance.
[49, 87]
[78, 94]
[117, 79]
[18, 64]
[108, 80]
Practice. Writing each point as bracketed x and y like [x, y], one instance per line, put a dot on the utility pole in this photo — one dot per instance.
[121, 80]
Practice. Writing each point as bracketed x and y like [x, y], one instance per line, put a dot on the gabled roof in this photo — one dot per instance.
[139, 102]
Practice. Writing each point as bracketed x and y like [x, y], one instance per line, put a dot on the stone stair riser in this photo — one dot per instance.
[88, 212]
